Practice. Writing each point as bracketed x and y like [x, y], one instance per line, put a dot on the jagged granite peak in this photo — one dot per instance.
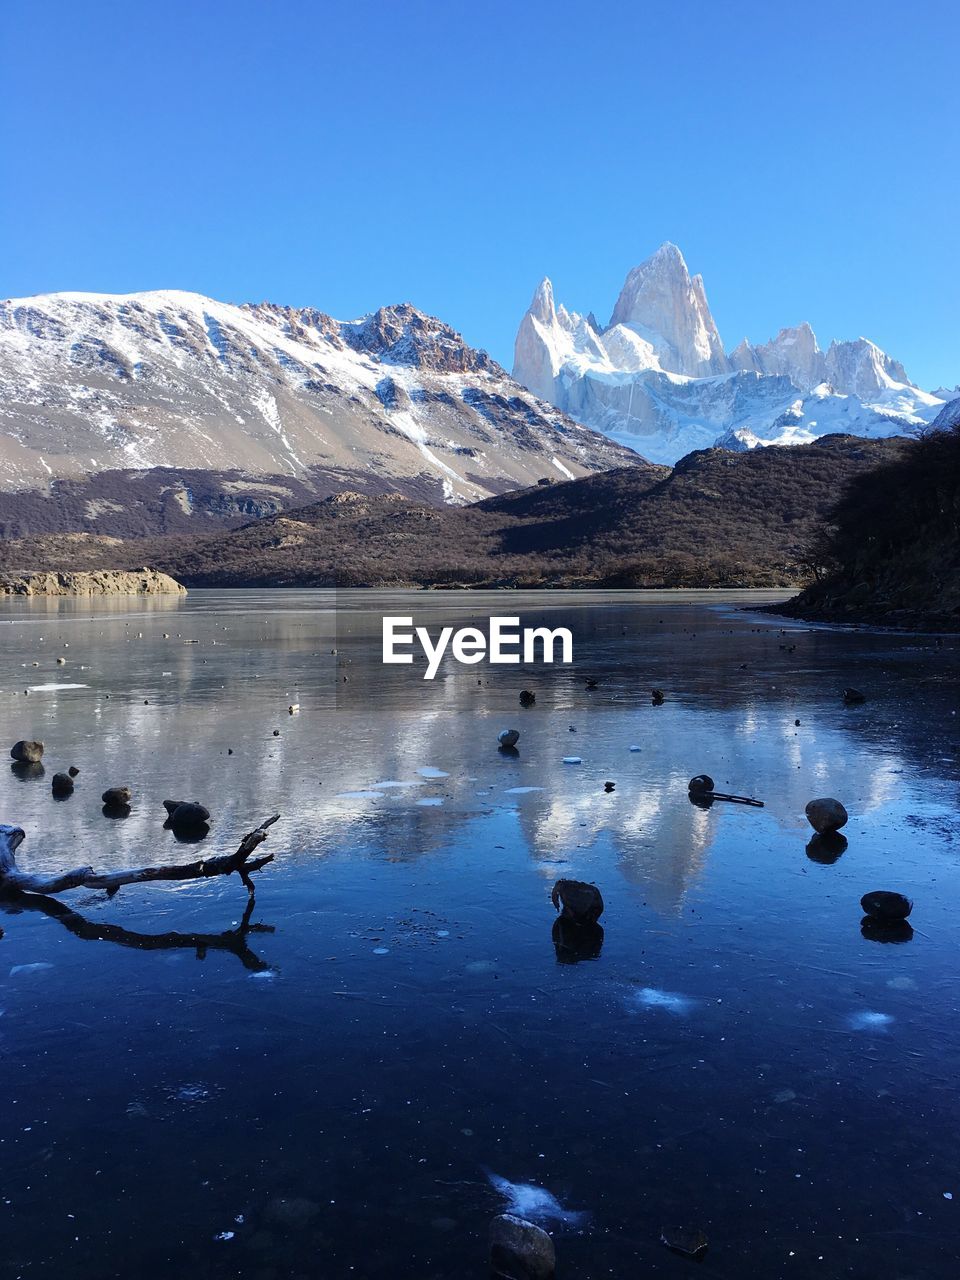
[536, 348]
[794, 352]
[664, 305]
[744, 356]
[657, 378]
[860, 368]
[169, 379]
[542, 307]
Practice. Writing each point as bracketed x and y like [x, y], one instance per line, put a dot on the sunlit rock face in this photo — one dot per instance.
[661, 303]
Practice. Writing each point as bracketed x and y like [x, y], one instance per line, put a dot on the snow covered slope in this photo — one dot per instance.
[90, 382]
[657, 378]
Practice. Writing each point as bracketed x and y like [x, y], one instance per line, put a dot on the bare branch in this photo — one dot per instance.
[13, 880]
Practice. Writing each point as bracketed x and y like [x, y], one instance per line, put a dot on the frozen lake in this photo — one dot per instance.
[406, 1048]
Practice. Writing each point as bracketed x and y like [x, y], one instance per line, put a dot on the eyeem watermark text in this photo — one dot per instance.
[503, 642]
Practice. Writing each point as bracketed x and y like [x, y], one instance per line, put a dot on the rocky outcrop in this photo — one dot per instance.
[99, 582]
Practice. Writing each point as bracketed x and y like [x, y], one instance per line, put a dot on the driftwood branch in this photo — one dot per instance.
[233, 941]
[13, 880]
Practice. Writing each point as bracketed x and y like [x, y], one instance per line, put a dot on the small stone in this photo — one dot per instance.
[520, 1250]
[826, 815]
[527, 698]
[886, 905]
[657, 697]
[508, 737]
[26, 751]
[61, 662]
[116, 797]
[701, 785]
[73, 771]
[62, 784]
[853, 697]
[578, 901]
[186, 815]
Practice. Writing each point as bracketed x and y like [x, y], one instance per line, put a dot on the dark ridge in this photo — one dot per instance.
[719, 519]
[889, 553]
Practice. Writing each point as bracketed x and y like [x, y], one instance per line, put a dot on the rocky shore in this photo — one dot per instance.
[99, 582]
[813, 605]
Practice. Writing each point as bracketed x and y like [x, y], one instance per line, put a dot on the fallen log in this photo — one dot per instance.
[13, 880]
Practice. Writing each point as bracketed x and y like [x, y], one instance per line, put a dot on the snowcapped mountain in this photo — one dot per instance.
[93, 382]
[657, 377]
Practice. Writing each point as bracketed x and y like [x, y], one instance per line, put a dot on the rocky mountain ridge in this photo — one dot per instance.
[657, 376]
[123, 383]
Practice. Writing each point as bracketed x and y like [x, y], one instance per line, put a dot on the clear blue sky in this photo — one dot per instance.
[804, 156]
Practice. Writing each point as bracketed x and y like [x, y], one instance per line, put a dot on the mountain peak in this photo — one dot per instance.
[542, 304]
[668, 253]
[623, 379]
[667, 308]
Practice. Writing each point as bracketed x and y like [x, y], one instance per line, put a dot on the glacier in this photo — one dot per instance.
[658, 380]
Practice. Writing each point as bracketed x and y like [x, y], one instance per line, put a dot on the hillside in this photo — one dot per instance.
[126, 384]
[717, 519]
[892, 552]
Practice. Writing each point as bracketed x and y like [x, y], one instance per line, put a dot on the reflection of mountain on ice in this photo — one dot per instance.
[178, 745]
[663, 841]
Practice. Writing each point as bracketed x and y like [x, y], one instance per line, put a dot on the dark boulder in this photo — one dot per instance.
[186, 815]
[27, 752]
[701, 785]
[826, 814]
[520, 1250]
[886, 905]
[116, 797]
[578, 901]
[62, 785]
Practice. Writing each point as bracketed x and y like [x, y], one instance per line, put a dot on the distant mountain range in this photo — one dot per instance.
[305, 404]
[717, 519]
[657, 376]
